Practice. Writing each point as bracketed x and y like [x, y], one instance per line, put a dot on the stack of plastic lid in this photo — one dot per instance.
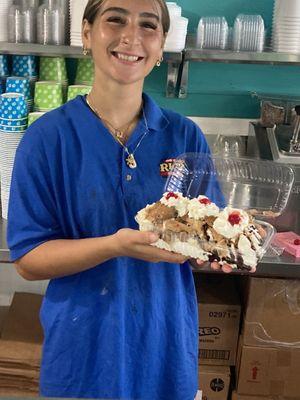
[75, 90]
[4, 7]
[84, 72]
[47, 96]
[17, 84]
[286, 26]
[4, 71]
[176, 37]
[249, 33]
[76, 13]
[54, 69]
[212, 33]
[26, 66]
[13, 123]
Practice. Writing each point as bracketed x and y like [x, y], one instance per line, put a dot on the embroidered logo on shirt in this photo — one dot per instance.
[165, 167]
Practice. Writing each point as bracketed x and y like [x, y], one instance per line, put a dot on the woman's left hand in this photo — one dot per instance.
[216, 266]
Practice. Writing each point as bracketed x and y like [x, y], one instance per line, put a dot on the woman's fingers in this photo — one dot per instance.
[215, 266]
[226, 268]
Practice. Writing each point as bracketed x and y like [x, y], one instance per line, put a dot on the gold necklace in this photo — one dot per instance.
[130, 160]
[117, 132]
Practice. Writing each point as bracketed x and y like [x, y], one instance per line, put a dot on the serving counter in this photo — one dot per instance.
[284, 266]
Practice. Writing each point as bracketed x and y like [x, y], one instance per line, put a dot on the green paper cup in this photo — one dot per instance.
[85, 71]
[75, 90]
[53, 69]
[47, 95]
[34, 116]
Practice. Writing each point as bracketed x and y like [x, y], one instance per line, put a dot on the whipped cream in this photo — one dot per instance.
[248, 254]
[176, 200]
[199, 210]
[144, 223]
[223, 226]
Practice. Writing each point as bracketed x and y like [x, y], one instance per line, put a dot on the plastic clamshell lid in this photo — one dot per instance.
[248, 184]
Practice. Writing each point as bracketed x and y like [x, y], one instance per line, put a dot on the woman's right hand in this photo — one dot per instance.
[136, 244]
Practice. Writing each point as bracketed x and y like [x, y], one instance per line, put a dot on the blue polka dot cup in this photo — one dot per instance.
[13, 106]
[13, 122]
[24, 66]
[16, 84]
[4, 65]
[12, 129]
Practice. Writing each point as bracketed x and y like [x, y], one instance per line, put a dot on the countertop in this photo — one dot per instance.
[284, 266]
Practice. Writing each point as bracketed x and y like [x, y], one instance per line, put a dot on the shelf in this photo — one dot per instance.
[228, 56]
[284, 266]
[66, 51]
[191, 53]
[173, 59]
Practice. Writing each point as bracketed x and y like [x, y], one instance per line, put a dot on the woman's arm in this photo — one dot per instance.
[58, 258]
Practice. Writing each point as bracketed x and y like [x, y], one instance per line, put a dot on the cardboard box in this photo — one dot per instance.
[236, 396]
[219, 320]
[214, 382]
[272, 314]
[267, 371]
[21, 322]
[3, 312]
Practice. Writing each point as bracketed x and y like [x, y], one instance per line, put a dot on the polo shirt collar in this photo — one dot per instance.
[156, 120]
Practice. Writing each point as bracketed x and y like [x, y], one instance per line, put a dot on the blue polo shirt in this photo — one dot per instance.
[125, 329]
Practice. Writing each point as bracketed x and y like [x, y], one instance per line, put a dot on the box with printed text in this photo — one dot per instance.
[219, 319]
[267, 371]
[214, 382]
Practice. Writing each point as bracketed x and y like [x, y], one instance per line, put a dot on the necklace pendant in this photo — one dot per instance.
[119, 133]
[130, 161]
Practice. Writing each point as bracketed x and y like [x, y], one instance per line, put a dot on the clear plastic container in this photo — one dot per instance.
[262, 188]
[248, 33]
[212, 33]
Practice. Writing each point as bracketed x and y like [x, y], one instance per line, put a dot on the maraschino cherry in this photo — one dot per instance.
[234, 218]
[171, 194]
[205, 201]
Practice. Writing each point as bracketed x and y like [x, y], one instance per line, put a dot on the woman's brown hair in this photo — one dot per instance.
[93, 6]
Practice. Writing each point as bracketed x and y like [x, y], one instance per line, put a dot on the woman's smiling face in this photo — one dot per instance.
[126, 39]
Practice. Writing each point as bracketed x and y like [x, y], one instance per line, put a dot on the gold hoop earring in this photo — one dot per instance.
[85, 51]
[158, 62]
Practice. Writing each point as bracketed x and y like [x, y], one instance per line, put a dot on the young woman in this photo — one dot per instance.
[119, 316]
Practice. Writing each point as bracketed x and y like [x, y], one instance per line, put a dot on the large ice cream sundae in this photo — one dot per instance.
[197, 228]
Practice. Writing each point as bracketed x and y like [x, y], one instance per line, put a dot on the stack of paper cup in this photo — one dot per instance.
[176, 37]
[286, 26]
[13, 123]
[77, 8]
[54, 69]
[17, 84]
[26, 66]
[84, 72]
[75, 90]
[47, 96]
[4, 71]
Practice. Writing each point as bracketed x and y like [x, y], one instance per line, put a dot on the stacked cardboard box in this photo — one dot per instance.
[269, 349]
[219, 320]
[20, 347]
